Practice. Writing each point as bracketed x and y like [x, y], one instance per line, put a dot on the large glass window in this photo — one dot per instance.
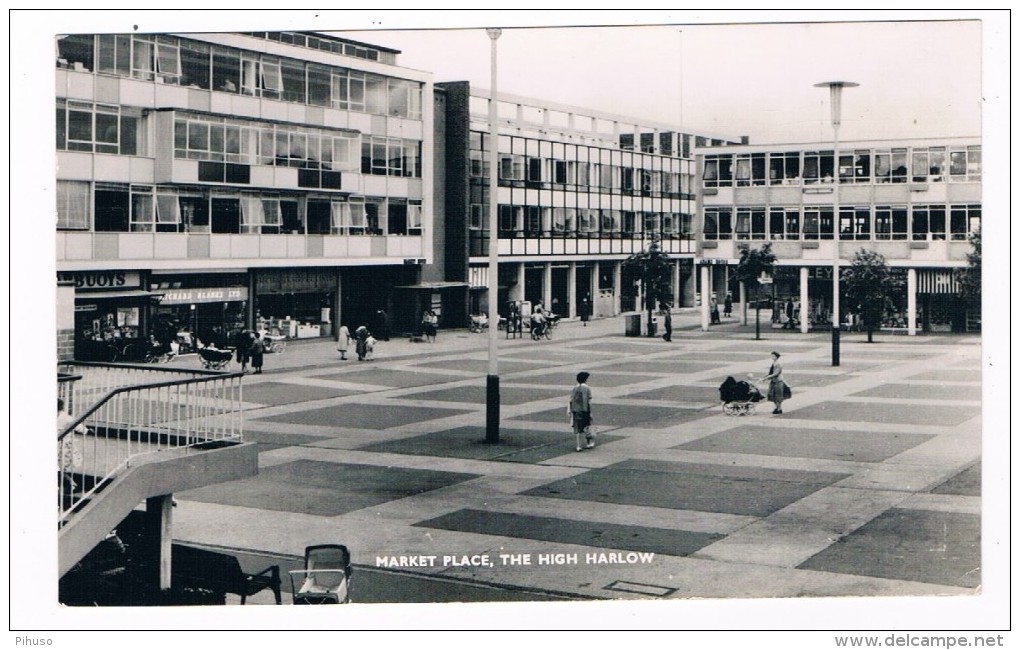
[750, 169]
[143, 214]
[76, 52]
[195, 65]
[855, 166]
[964, 220]
[112, 207]
[928, 165]
[890, 222]
[74, 199]
[226, 75]
[718, 223]
[818, 167]
[965, 164]
[293, 76]
[115, 54]
[784, 168]
[784, 223]
[100, 128]
[750, 223]
[817, 223]
[718, 171]
[891, 166]
[854, 223]
[928, 222]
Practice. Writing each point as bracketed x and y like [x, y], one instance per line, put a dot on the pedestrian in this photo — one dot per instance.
[585, 311]
[778, 390]
[433, 329]
[257, 353]
[667, 322]
[382, 325]
[715, 311]
[361, 341]
[343, 342]
[243, 349]
[579, 411]
[728, 305]
[789, 314]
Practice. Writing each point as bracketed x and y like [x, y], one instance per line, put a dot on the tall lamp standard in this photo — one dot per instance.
[492, 379]
[836, 106]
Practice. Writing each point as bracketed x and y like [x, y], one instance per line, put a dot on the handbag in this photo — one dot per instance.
[787, 394]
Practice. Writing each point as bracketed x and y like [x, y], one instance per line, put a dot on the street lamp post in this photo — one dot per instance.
[492, 379]
[835, 104]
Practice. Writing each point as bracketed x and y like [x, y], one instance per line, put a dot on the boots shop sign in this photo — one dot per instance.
[102, 280]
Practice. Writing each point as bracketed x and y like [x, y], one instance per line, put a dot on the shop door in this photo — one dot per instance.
[560, 301]
[533, 284]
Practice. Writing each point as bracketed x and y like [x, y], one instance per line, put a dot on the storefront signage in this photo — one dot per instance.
[219, 294]
[714, 261]
[102, 280]
[90, 307]
[296, 281]
[414, 260]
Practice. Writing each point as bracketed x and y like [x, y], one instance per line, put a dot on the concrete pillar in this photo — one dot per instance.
[572, 296]
[706, 292]
[518, 292]
[160, 527]
[805, 312]
[594, 283]
[676, 284]
[912, 302]
[743, 304]
[547, 285]
[617, 287]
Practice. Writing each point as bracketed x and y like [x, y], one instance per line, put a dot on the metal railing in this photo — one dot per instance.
[127, 414]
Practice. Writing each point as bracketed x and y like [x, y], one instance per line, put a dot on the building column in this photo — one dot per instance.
[706, 292]
[617, 287]
[676, 284]
[571, 285]
[805, 318]
[743, 304]
[518, 293]
[160, 533]
[912, 302]
[547, 285]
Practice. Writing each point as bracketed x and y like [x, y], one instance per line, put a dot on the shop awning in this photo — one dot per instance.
[433, 286]
[127, 293]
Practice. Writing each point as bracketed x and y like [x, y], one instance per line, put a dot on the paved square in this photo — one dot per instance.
[621, 415]
[514, 446]
[649, 346]
[688, 486]
[276, 393]
[923, 391]
[670, 367]
[937, 547]
[933, 414]
[509, 395]
[808, 379]
[567, 380]
[570, 531]
[950, 374]
[678, 394]
[324, 489]
[364, 416]
[860, 446]
[268, 441]
[481, 366]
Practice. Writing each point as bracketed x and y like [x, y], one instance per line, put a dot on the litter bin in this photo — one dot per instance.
[632, 325]
[653, 327]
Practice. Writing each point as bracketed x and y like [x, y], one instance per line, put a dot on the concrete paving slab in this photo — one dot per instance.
[932, 414]
[607, 416]
[572, 531]
[740, 491]
[923, 545]
[641, 346]
[275, 393]
[949, 374]
[324, 489]
[684, 393]
[926, 391]
[567, 380]
[367, 416]
[477, 394]
[859, 446]
[670, 367]
[374, 375]
[481, 366]
[966, 483]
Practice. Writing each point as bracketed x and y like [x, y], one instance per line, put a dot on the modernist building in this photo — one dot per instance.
[208, 182]
[579, 192]
[914, 201]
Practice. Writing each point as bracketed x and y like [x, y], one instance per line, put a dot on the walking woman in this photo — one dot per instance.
[778, 390]
[361, 341]
[343, 342]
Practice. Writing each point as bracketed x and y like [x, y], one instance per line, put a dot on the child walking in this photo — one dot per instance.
[580, 412]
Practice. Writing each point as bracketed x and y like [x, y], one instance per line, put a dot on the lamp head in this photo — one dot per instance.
[835, 97]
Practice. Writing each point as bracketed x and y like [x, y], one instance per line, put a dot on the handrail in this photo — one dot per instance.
[129, 421]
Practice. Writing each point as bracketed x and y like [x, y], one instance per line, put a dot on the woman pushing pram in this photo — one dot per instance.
[739, 397]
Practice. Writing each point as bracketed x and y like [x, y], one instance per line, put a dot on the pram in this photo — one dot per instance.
[739, 397]
[214, 359]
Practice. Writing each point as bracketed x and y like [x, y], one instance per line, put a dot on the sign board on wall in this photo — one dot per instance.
[192, 296]
[101, 280]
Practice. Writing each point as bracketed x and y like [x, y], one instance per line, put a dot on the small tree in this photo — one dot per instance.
[866, 286]
[755, 263]
[969, 279]
[654, 270]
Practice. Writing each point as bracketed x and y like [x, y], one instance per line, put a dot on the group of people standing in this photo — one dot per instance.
[364, 342]
[727, 309]
[250, 349]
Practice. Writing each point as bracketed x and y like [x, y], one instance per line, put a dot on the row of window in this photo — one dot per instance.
[541, 221]
[102, 128]
[193, 64]
[110, 207]
[516, 170]
[894, 165]
[882, 222]
[345, 48]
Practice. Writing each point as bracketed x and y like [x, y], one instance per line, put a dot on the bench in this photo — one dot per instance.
[198, 568]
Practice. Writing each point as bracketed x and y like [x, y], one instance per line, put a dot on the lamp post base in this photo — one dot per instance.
[492, 409]
[835, 345]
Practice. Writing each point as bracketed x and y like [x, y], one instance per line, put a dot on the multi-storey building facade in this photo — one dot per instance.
[208, 182]
[914, 201]
[579, 191]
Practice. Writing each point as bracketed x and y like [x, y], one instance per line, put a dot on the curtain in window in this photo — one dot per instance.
[340, 217]
[167, 209]
[251, 212]
[73, 203]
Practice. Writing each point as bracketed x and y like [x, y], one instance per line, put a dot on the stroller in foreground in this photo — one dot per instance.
[213, 358]
[739, 397]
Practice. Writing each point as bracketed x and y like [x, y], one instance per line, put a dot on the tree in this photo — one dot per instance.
[755, 263]
[866, 286]
[654, 270]
[969, 279]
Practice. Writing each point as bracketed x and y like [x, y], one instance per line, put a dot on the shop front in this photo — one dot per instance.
[199, 309]
[111, 311]
[296, 303]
